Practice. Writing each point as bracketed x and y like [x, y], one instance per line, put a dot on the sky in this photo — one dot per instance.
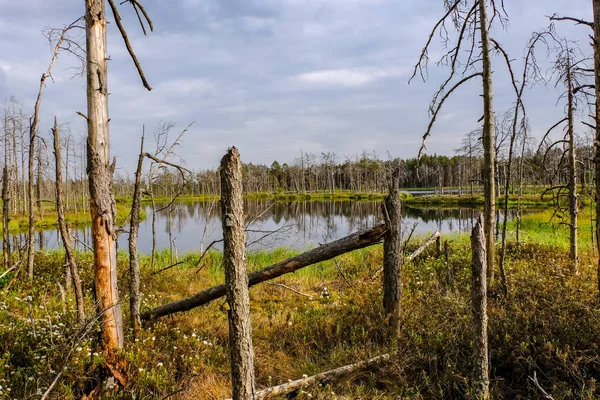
[274, 77]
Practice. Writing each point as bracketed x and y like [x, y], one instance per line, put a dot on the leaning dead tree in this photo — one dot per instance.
[64, 42]
[481, 380]
[393, 254]
[468, 18]
[64, 229]
[355, 241]
[236, 279]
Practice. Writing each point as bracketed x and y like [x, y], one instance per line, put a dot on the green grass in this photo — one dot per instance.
[49, 219]
[548, 324]
[453, 200]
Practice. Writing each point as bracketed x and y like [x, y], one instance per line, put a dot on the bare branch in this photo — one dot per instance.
[115, 12]
[439, 107]
[578, 21]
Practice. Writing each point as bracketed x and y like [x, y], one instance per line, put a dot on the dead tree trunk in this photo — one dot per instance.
[134, 262]
[64, 230]
[481, 379]
[596, 43]
[5, 217]
[100, 176]
[355, 241]
[488, 141]
[39, 182]
[236, 279]
[573, 208]
[392, 255]
[31, 197]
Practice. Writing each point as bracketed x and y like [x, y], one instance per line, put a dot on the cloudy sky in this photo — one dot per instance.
[273, 77]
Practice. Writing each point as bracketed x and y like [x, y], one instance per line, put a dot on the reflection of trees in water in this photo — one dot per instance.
[309, 222]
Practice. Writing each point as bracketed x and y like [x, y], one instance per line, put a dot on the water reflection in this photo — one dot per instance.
[192, 226]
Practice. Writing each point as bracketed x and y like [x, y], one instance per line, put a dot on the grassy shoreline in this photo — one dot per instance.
[547, 325]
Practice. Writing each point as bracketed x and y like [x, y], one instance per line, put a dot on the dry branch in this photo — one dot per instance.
[432, 239]
[115, 12]
[320, 377]
[325, 252]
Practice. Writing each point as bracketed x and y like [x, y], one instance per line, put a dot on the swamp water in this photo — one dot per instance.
[193, 225]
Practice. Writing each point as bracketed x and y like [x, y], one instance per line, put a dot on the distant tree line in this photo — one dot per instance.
[308, 173]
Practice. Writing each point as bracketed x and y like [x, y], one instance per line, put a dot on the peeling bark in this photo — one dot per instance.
[100, 176]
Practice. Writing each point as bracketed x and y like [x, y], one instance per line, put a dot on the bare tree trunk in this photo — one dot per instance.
[596, 43]
[236, 279]
[64, 230]
[481, 379]
[392, 255]
[39, 182]
[488, 141]
[31, 197]
[15, 170]
[134, 262]
[5, 216]
[153, 224]
[100, 175]
[573, 209]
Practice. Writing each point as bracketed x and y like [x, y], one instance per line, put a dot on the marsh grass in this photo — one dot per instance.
[549, 324]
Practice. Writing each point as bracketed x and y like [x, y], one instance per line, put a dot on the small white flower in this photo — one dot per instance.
[141, 369]
[174, 347]
[160, 364]
[304, 376]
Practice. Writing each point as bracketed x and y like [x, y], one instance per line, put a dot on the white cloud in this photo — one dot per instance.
[349, 77]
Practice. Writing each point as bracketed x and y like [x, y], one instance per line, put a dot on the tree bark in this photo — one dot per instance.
[596, 43]
[488, 141]
[5, 216]
[392, 256]
[236, 279]
[31, 197]
[481, 379]
[64, 230]
[100, 176]
[573, 208]
[134, 262]
[357, 240]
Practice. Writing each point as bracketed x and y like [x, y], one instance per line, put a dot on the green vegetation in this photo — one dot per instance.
[452, 200]
[549, 324]
[48, 218]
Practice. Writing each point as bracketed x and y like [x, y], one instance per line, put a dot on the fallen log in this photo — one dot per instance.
[433, 238]
[357, 240]
[326, 376]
